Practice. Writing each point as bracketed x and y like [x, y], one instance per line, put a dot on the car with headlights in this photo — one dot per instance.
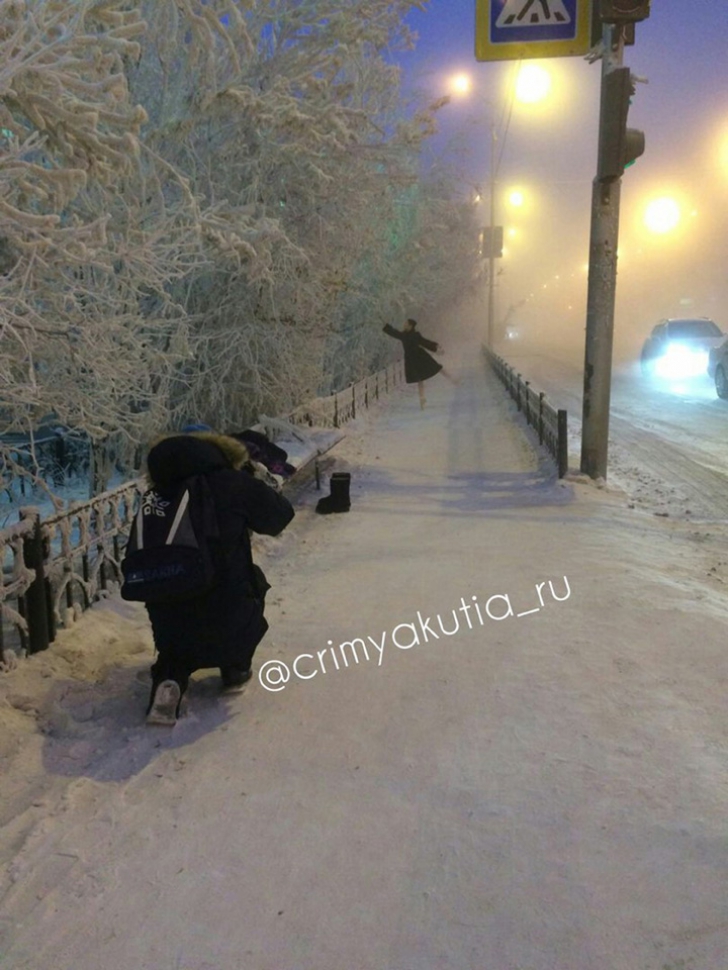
[679, 349]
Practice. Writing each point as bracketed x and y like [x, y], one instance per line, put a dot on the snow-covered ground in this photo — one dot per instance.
[666, 441]
[543, 788]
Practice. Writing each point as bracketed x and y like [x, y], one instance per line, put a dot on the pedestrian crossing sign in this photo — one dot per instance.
[515, 29]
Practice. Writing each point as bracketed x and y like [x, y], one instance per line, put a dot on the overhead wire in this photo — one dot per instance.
[505, 120]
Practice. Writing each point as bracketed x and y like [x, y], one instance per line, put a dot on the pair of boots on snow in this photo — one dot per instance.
[338, 500]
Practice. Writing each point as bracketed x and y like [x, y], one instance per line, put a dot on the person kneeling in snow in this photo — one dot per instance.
[222, 627]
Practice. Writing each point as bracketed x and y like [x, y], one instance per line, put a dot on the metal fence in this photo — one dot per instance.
[56, 567]
[341, 407]
[550, 423]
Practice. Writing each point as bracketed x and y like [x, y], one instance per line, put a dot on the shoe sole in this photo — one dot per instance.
[163, 712]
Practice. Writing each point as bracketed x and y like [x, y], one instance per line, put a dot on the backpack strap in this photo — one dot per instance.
[181, 509]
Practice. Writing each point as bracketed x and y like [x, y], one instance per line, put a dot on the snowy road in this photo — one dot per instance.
[667, 445]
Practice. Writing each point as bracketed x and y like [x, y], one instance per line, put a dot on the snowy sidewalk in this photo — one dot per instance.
[541, 788]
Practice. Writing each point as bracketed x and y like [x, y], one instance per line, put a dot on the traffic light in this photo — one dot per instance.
[623, 11]
[634, 146]
[619, 146]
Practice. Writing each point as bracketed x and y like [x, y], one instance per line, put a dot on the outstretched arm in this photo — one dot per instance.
[391, 332]
[428, 344]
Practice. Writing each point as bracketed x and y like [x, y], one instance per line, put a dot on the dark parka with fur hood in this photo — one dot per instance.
[223, 627]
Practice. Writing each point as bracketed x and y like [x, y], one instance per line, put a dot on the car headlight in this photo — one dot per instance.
[680, 361]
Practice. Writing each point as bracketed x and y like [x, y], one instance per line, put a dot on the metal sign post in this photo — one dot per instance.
[601, 291]
[515, 29]
[618, 147]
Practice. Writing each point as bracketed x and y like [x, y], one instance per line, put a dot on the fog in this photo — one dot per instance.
[550, 155]
[677, 273]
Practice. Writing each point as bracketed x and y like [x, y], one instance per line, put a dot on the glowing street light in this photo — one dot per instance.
[461, 84]
[516, 198]
[533, 84]
[662, 215]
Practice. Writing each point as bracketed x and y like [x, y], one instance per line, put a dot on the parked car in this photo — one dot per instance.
[679, 349]
[718, 368]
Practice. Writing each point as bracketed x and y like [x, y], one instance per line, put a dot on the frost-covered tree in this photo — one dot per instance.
[287, 119]
[210, 207]
[94, 227]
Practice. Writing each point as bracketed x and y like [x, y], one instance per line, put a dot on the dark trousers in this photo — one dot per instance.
[178, 662]
[167, 668]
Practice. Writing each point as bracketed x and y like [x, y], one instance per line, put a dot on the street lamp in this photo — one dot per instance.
[531, 85]
[662, 215]
[491, 246]
[461, 84]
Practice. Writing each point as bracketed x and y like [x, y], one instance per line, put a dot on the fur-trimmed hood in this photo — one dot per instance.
[174, 457]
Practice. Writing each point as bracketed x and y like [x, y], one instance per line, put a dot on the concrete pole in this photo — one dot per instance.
[491, 254]
[600, 300]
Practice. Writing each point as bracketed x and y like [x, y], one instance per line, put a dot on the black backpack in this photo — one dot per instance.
[173, 548]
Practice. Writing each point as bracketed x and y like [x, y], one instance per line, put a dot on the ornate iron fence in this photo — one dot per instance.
[60, 565]
[56, 567]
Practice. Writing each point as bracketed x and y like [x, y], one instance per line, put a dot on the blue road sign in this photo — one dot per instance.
[512, 29]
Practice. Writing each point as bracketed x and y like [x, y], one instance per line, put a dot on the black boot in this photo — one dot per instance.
[234, 678]
[338, 500]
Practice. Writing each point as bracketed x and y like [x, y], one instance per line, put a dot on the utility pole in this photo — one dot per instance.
[619, 146]
[602, 285]
[491, 244]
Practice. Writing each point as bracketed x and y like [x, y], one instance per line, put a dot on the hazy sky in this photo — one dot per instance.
[683, 111]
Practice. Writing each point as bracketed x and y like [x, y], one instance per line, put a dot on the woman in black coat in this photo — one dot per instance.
[418, 365]
[223, 627]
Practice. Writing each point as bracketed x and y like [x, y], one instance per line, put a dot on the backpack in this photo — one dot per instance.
[171, 552]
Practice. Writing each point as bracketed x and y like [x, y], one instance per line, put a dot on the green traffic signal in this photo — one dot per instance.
[633, 146]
